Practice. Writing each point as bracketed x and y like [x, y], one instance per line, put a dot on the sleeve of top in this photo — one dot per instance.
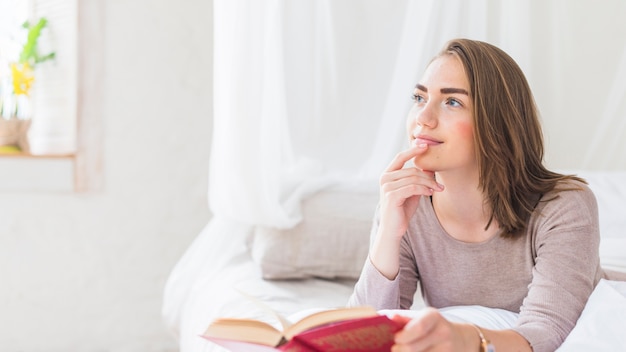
[566, 268]
[374, 289]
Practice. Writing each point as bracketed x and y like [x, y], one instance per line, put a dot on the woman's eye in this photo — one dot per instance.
[454, 103]
[418, 98]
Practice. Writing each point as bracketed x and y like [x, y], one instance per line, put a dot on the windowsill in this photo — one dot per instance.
[31, 156]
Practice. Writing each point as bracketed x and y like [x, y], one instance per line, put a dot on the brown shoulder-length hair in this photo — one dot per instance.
[507, 134]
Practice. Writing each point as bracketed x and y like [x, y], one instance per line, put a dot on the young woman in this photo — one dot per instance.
[477, 219]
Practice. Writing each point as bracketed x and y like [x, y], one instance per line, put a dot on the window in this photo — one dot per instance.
[52, 99]
[64, 136]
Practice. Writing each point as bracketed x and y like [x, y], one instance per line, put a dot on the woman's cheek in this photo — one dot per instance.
[465, 128]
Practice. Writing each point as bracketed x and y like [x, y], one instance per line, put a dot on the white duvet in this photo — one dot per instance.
[601, 326]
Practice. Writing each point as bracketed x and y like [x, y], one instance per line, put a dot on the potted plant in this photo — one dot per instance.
[16, 89]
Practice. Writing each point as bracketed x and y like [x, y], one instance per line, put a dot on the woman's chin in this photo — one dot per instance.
[423, 163]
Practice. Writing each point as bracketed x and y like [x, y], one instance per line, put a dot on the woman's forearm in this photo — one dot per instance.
[385, 255]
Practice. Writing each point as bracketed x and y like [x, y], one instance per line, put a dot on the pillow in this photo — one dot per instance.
[609, 188]
[332, 241]
[613, 253]
[601, 324]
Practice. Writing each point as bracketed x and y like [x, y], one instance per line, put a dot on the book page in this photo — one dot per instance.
[323, 317]
[284, 322]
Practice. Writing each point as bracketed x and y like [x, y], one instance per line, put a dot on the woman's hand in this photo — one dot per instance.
[432, 332]
[400, 192]
[401, 189]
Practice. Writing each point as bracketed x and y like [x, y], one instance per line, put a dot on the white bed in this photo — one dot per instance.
[315, 265]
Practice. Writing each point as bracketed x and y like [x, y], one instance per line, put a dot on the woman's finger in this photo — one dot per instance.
[410, 176]
[401, 158]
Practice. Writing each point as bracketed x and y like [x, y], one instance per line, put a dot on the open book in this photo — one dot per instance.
[343, 329]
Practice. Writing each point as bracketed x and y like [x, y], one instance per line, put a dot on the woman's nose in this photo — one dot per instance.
[425, 116]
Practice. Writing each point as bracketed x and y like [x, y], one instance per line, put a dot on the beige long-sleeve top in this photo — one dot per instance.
[546, 275]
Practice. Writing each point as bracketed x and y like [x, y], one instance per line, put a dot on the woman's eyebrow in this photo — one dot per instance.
[454, 90]
[444, 90]
[421, 87]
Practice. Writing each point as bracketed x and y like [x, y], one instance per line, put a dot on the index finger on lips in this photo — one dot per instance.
[401, 158]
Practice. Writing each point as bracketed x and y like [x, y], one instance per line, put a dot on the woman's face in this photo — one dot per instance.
[442, 118]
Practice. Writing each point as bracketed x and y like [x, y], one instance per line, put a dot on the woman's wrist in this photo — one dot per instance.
[485, 344]
[505, 340]
[471, 340]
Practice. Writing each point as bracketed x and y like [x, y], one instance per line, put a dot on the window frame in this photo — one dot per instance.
[88, 159]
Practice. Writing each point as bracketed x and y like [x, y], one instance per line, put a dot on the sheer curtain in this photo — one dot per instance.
[609, 136]
[315, 93]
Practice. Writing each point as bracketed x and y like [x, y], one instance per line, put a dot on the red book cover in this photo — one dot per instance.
[373, 334]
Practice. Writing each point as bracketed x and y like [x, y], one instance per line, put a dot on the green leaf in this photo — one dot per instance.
[29, 51]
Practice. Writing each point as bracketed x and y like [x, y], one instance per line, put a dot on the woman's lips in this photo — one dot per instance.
[426, 140]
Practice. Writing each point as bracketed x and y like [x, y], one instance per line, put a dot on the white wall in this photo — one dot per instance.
[85, 272]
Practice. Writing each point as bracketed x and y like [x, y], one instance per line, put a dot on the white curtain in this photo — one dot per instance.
[314, 93]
